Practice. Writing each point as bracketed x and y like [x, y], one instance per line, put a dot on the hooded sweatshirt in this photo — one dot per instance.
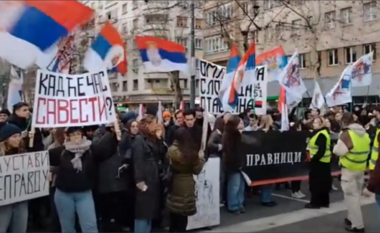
[345, 143]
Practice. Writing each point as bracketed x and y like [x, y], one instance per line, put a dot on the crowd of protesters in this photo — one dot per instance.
[144, 181]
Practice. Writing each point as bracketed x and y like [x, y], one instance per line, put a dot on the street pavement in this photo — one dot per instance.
[291, 216]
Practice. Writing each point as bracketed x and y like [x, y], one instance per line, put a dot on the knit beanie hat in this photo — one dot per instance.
[8, 130]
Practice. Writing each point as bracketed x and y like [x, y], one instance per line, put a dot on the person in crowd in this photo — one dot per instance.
[112, 188]
[144, 151]
[13, 217]
[296, 185]
[89, 131]
[226, 116]
[353, 148]
[57, 140]
[167, 118]
[185, 162]
[75, 178]
[4, 114]
[320, 171]
[194, 129]
[334, 138]
[233, 163]
[199, 116]
[178, 122]
[253, 123]
[245, 116]
[266, 125]
[214, 149]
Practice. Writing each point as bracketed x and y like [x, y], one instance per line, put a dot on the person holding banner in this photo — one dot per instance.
[353, 148]
[13, 217]
[320, 170]
[233, 163]
[76, 161]
[185, 162]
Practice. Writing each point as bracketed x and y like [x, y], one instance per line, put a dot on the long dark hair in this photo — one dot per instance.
[182, 137]
[231, 135]
[219, 124]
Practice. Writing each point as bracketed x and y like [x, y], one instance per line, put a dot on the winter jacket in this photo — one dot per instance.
[71, 180]
[110, 179]
[374, 180]
[181, 197]
[146, 170]
[214, 145]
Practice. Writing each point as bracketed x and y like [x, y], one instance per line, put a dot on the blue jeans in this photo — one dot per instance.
[143, 225]
[14, 217]
[83, 204]
[266, 193]
[235, 192]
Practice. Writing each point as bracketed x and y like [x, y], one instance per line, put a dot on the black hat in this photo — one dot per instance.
[19, 105]
[5, 111]
[8, 130]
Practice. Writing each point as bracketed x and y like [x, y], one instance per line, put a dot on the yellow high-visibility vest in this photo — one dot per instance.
[374, 153]
[356, 159]
[313, 149]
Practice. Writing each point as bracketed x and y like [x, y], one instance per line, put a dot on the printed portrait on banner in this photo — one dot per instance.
[153, 53]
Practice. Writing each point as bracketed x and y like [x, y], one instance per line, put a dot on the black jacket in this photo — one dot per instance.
[69, 179]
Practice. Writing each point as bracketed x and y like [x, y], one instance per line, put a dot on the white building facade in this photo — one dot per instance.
[166, 19]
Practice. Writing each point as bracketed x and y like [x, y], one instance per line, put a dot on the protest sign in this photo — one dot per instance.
[274, 157]
[207, 194]
[63, 100]
[210, 79]
[23, 177]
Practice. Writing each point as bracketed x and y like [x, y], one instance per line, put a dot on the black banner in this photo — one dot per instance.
[275, 157]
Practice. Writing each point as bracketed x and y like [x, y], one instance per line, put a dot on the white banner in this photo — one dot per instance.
[63, 100]
[23, 177]
[207, 193]
[210, 80]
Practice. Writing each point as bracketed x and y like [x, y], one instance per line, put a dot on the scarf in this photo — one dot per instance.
[78, 149]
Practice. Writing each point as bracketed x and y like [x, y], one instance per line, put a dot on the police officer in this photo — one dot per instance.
[353, 148]
[320, 171]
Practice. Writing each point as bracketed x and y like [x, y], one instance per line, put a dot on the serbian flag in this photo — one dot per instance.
[275, 60]
[29, 29]
[107, 51]
[240, 77]
[159, 55]
[232, 65]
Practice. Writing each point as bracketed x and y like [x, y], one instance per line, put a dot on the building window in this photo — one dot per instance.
[125, 27]
[268, 4]
[350, 54]
[226, 11]
[135, 65]
[181, 21]
[370, 11]
[345, 15]
[125, 86]
[198, 43]
[215, 44]
[330, 20]
[367, 48]
[135, 4]
[125, 8]
[135, 84]
[244, 7]
[135, 24]
[112, 15]
[332, 57]
[302, 60]
[182, 41]
[198, 23]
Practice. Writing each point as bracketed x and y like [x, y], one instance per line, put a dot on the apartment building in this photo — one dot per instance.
[165, 19]
[340, 31]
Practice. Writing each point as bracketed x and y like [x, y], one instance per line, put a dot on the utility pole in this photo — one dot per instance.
[192, 47]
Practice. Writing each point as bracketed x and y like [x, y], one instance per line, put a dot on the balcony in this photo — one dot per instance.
[157, 76]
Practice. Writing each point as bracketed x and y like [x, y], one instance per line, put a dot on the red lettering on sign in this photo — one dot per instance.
[73, 111]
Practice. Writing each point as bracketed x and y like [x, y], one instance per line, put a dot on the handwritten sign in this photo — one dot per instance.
[23, 177]
[63, 100]
[207, 193]
[250, 96]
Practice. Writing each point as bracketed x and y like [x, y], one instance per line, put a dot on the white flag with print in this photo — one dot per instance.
[318, 100]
